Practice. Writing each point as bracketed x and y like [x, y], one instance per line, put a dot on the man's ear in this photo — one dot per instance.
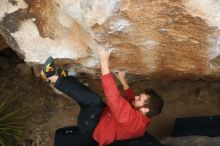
[144, 110]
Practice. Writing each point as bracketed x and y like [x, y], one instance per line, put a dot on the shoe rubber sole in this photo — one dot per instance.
[48, 65]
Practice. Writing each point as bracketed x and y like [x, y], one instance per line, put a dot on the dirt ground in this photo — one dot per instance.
[183, 98]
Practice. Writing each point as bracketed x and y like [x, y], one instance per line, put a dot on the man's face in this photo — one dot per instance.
[140, 101]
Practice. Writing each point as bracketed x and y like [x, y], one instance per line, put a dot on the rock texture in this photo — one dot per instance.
[157, 38]
[3, 44]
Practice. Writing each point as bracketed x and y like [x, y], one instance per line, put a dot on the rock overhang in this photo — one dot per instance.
[150, 38]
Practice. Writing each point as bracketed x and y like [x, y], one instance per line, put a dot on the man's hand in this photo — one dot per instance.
[120, 74]
[104, 54]
[104, 59]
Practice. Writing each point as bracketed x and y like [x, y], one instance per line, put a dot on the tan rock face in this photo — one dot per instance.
[160, 39]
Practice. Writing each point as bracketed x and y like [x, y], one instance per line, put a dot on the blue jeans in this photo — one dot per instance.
[91, 105]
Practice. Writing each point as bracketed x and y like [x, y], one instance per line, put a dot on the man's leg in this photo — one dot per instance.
[69, 85]
[91, 103]
[76, 90]
[70, 136]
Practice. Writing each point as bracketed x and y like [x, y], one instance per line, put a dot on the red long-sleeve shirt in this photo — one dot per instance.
[119, 120]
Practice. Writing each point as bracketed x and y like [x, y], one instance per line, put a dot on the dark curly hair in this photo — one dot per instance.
[155, 103]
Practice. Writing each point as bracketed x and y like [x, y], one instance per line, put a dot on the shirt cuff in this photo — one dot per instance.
[129, 90]
[106, 76]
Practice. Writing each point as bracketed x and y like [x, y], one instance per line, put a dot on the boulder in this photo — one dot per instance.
[3, 44]
[168, 39]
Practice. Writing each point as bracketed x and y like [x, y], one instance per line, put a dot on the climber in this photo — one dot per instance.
[119, 119]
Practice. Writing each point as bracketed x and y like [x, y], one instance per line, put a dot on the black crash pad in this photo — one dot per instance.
[200, 126]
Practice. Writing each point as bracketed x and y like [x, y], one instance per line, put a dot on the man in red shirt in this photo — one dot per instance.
[119, 119]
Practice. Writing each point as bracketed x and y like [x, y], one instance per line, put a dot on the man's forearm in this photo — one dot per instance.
[104, 67]
[103, 58]
[124, 84]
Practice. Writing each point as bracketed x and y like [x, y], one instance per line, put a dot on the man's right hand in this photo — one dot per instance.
[104, 55]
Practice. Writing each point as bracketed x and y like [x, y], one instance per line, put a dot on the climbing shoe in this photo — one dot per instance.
[43, 76]
[48, 68]
[62, 73]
